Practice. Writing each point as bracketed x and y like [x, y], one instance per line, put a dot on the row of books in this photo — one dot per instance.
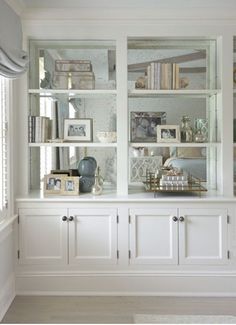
[39, 128]
[163, 76]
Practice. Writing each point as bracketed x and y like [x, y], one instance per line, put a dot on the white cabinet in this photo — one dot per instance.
[42, 236]
[93, 236]
[178, 236]
[62, 236]
[203, 236]
[153, 236]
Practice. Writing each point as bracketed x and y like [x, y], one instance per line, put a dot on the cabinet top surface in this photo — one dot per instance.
[112, 197]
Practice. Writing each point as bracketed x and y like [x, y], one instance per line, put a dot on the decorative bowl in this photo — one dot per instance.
[106, 136]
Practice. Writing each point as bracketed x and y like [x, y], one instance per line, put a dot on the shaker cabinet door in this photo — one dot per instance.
[203, 236]
[93, 236]
[43, 236]
[153, 236]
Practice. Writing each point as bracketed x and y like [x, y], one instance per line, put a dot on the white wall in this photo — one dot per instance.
[7, 276]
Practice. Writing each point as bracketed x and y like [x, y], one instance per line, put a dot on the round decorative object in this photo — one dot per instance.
[199, 137]
[86, 184]
[87, 166]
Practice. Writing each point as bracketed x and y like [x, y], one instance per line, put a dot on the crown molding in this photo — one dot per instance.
[17, 5]
[129, 14]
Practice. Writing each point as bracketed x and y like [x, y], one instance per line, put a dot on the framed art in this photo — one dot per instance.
[143, 125]
[70, 186]
[79, 130]
[53, 184]
[168, 133]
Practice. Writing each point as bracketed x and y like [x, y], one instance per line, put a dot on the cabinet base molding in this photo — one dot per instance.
[7, 295]
[127, 285]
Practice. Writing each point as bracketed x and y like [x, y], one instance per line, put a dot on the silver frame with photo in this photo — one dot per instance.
[135, 119]
[160, 129]
[55, 176]
[76, 185]
[88, 122]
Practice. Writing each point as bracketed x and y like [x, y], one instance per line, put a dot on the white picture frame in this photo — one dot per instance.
[168, 133]
[78, 130]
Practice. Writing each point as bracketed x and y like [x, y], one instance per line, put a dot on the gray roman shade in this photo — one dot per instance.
[13, 61]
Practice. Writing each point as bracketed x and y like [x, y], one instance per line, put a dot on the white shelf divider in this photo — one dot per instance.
[73, 92]
[73, 144]
[175, 92]
[173, 144]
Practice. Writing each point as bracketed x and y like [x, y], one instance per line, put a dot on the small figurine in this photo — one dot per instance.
[46, 82]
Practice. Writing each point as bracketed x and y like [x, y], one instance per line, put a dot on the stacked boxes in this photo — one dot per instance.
[73, 74]
[180, 180]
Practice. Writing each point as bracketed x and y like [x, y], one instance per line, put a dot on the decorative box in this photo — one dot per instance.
[82, 80]
[73, 65]
[60, 80]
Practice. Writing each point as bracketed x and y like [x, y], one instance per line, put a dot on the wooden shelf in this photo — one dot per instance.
[73, 144]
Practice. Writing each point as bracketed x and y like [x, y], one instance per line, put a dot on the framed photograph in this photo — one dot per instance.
[168, 133]
[70, 186]
[53, 184]
[79, 130]
[144, 125]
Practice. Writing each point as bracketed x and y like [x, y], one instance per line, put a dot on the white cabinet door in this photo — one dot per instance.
[43, 236]
[203, 236]
[153, 236]
[93, 236]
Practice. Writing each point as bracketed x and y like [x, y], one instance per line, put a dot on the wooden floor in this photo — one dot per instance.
[97, 310]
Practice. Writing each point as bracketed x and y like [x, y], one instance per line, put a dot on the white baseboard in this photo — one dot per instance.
[199, 286]
[7, 295]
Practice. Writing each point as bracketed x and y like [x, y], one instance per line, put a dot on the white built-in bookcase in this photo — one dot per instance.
[114, 99]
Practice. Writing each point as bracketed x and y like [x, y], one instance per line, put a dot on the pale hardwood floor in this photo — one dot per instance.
[97, 310]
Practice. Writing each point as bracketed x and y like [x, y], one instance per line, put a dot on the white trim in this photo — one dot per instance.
[131, 14]
[7, 295]
[127, 274]
[125, 294]
[7, 222]
[124, 286]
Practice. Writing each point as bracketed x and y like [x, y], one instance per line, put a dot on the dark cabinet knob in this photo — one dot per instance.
[71, 218]
[64, 218]
[175, 219]
[181, 219]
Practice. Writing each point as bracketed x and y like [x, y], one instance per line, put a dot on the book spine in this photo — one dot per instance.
[33, 128]
[30, 129]
[177, 76]
[149, 77]
[158, 76]
[152, 75]
[174, 76]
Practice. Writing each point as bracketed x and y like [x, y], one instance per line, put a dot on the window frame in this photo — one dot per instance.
[6, 113]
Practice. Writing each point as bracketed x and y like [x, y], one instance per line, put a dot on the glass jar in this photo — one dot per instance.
[186, 129]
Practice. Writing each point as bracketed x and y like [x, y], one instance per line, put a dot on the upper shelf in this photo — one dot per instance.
[73, 92]
[173, 92]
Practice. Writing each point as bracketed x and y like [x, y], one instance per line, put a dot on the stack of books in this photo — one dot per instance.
[162, 76]
[39, 128]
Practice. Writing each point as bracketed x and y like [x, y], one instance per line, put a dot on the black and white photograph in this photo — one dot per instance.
[144, 125]
[168, 133]
[79, 130]
[53, 184]
[71, 186]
